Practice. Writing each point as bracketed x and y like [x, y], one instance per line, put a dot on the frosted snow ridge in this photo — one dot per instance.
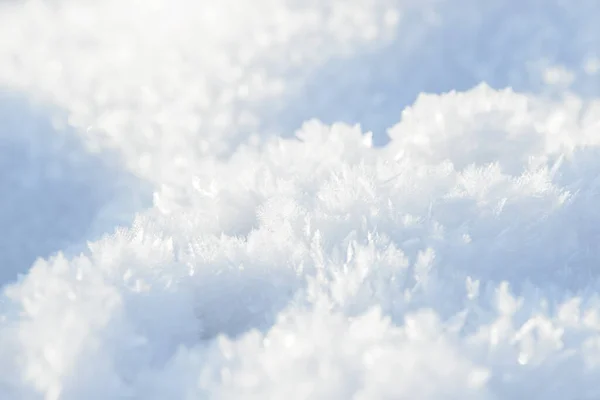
[283, 199]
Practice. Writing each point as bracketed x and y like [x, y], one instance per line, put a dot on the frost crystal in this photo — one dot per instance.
[282, 199]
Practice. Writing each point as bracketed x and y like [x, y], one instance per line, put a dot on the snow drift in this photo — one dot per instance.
[203, 201]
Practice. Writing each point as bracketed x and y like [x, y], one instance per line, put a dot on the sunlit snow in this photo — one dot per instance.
[286, 199]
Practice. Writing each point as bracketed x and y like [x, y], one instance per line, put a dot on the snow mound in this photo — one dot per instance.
[347, 263]
[169, 81]
[459, 260]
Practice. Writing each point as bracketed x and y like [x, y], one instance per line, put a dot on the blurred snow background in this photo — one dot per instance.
[340, 199]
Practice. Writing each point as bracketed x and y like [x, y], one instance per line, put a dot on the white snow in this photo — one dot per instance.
[283, 199]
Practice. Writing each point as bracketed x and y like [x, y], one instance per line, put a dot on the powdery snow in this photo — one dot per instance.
[209, 222]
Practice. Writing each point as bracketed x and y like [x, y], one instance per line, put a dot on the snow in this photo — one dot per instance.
[341, 199]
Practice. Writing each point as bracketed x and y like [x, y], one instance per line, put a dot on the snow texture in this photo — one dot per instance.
[284, 199]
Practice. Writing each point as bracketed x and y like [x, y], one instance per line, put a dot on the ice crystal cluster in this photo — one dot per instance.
[299, 199]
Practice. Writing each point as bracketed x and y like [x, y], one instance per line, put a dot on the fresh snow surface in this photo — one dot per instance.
[299, 199]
